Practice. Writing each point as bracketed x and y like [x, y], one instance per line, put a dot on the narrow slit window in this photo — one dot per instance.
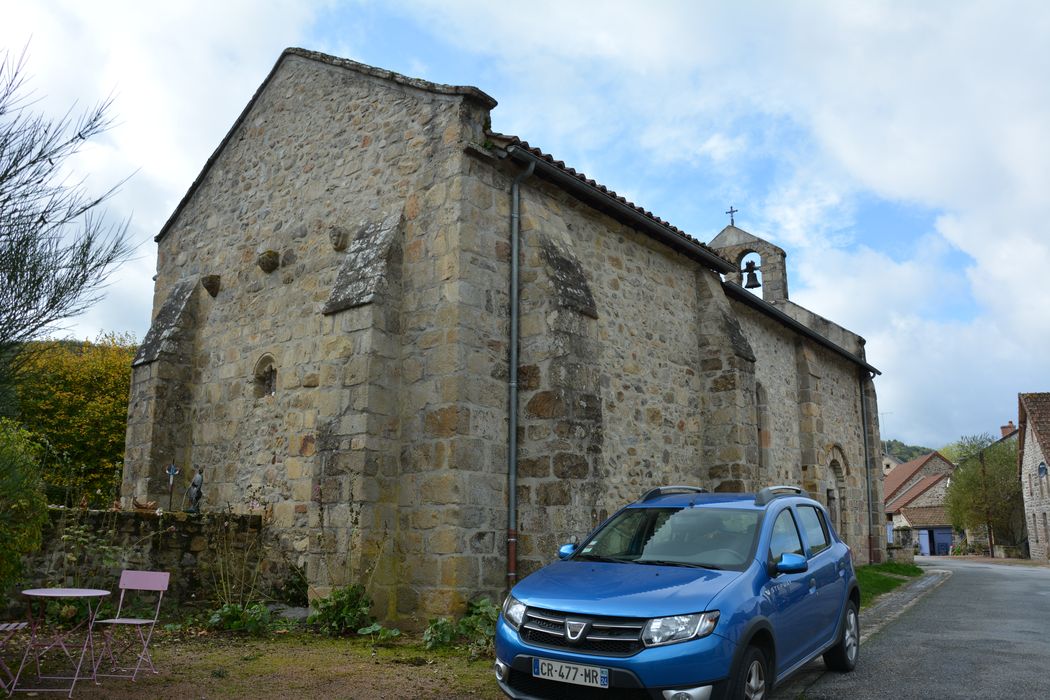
[265, 377]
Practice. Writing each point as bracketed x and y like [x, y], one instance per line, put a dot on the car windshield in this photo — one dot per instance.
[712, 538]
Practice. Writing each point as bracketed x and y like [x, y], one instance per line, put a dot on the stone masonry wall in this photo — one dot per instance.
[820, 444]
[1036, 492]
[352, 237]
[325, 156]
[90, 549]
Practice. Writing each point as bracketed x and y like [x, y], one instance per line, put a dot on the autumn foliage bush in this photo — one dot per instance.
[74, 397]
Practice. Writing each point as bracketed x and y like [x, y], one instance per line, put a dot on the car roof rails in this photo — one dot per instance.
[664, 490]
[770, 492]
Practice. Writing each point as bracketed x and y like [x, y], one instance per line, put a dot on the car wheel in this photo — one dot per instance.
[752, 677]
[843, 656]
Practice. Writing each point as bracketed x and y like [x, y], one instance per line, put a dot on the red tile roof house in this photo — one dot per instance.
[915, 504]
[1033, 412]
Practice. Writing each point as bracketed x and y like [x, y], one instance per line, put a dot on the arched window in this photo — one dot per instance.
[265, 376]
[751, 272]
[836, 492]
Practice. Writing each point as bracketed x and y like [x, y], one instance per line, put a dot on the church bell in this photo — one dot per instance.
[752, 277]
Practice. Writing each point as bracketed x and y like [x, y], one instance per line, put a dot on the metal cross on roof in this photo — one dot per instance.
[731, 212]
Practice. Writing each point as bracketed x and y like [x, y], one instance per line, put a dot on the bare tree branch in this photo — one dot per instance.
[56, 247]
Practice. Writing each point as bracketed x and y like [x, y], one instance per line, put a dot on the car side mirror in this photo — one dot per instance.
[792, 564]
[566, 550]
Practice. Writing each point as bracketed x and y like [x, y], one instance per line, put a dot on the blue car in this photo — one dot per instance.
[684, 595]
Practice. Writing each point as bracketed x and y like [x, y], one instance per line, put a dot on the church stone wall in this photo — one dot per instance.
[324, 155]
[352, 234]
[610, 343]
[817, 437]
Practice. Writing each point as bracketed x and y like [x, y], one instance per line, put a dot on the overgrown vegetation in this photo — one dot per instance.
[238, 553]
[475, 630]
[252, 619]
[877, 579]
[23, 509]
[346, 610]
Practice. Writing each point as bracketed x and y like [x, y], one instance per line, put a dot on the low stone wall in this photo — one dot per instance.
[86, 548]
[901, 555]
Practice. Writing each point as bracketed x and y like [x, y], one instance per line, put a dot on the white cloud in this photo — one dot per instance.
[936, 105]
[179, 75]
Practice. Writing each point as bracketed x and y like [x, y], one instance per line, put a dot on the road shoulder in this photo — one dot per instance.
[873, 619]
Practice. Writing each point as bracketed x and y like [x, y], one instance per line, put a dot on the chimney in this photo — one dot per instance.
[1008, 428]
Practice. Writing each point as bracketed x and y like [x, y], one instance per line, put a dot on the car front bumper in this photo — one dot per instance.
[686, 667]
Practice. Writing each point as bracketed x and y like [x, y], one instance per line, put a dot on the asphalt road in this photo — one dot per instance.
[983, 633]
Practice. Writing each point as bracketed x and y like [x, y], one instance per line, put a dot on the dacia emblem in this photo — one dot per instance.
[574, 629]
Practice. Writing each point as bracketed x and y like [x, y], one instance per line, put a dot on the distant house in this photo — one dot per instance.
[889, 463]
[1033, 412]
[914, 498]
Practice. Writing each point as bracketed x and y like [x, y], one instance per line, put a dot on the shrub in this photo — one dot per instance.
[23, 508]
[476, 629]
[348, 609]
[478, 626]
[441, 632]
[253, 619]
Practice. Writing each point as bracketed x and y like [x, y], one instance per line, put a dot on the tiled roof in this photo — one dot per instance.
[507, 140]
[917, 489]
[1034, 415]
[900, 474]
[927, 516]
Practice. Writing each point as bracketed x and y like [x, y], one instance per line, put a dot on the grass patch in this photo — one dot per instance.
[877, 579]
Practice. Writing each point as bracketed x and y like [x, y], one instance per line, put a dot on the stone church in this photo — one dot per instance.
[338, 332]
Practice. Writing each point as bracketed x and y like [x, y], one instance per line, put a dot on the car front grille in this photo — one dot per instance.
[607, 636]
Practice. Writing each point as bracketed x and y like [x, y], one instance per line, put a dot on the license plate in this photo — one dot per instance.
[570, 673]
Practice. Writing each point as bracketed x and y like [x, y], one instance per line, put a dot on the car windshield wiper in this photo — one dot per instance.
[669, 562]
[598, 557]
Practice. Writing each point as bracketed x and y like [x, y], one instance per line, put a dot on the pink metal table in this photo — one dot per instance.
[42, 639]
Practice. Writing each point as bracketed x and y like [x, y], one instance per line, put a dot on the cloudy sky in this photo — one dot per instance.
[899, 151]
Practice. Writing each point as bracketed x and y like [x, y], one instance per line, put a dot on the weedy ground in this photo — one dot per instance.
[298, 665]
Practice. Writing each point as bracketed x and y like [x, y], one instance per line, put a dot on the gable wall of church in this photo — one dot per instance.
[325, 158]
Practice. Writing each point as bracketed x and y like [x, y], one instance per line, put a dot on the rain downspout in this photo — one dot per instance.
[512, 384]
[872, 544]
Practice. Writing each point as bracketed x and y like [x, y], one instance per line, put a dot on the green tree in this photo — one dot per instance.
[23, 509]
[56, 249]
[903, 452]
[984, 488]
[75, 396]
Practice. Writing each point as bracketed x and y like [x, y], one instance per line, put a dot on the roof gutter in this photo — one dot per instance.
[618, 209]
[740, 294]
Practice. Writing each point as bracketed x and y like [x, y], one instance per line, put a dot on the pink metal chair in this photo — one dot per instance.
[8, 630]
[143, 583]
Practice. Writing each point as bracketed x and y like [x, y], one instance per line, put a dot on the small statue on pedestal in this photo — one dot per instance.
[196, 491]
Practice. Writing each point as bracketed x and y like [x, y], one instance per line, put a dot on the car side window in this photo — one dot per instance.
[785, 537]
[816, 530]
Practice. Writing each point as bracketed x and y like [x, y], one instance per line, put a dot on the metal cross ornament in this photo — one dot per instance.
[172, 471]
[732, 211]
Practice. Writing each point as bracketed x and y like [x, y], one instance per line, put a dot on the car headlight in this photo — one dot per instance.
[679, 628]
[513, 611]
